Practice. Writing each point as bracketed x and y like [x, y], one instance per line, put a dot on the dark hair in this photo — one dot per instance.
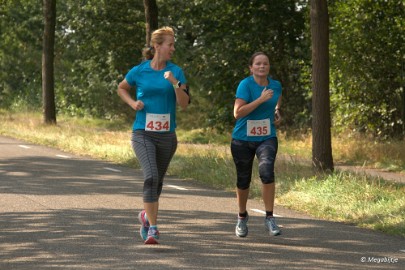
[252, 58]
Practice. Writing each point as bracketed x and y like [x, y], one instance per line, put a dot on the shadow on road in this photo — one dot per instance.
[74, 214]
[101, 238]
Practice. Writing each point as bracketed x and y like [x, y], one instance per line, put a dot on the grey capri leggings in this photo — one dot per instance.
[154, 152]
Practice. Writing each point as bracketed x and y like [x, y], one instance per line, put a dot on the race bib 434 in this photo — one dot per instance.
[157, 122]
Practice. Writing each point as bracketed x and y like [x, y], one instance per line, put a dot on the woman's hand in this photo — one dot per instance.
[266, 94]
[277, 117]
[169, 76]
[137, 105]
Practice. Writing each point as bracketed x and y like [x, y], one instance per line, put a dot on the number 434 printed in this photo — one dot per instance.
[157, 122]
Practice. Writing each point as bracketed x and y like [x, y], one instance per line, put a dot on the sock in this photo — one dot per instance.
[269, 213]
[243, 215]
[153, 227]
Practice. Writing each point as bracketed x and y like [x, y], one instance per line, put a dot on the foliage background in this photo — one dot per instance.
[99, 41]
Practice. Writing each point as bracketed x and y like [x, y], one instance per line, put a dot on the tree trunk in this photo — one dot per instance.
[403, 100]
[321, 122]
[48, 91]
[151, 17]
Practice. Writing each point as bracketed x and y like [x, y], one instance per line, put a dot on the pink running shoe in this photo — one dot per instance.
[153, 236]
[144, 224]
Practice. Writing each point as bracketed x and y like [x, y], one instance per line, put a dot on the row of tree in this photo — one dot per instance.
[97, 42]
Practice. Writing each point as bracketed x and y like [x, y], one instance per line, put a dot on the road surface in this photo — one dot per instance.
[61, 211]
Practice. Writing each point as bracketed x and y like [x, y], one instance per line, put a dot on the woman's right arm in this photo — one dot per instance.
[123, 92]
[242, 108]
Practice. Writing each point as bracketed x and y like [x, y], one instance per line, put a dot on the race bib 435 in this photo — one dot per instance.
[258, 127]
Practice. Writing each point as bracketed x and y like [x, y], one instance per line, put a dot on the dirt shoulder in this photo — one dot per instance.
[385, 175]
[389, 176]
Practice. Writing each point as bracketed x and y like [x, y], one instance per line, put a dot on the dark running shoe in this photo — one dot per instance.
[271, 226]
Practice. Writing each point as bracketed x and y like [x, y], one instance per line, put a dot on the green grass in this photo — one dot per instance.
[205, 156]
[355, 150]
[345, 197]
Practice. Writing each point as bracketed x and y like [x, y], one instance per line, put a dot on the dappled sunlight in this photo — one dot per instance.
[74, 212]
[109, 236]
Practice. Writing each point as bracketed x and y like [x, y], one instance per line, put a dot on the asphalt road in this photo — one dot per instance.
[60, 211]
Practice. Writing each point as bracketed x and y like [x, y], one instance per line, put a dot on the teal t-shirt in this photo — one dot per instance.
[157, 94]
[258, 125]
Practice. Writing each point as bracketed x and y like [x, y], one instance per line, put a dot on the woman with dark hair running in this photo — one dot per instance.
[160, 84]
[257, 111]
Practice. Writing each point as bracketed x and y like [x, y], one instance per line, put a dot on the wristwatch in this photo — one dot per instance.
[177, 85]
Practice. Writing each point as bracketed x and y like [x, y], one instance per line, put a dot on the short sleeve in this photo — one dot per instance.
[242, 91]
[181, 76]
[131, 76]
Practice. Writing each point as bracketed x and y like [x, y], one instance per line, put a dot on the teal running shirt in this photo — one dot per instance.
[258, 125]
[157, 94]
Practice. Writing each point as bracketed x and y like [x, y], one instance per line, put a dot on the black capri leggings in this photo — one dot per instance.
[154, 152]
[244, 152]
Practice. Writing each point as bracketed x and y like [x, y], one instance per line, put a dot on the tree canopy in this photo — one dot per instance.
[97, 42]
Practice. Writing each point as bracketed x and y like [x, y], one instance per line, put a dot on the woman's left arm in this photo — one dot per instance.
[182, 97]
[277, 112]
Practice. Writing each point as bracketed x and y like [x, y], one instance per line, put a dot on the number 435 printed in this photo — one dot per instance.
[258, 127]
